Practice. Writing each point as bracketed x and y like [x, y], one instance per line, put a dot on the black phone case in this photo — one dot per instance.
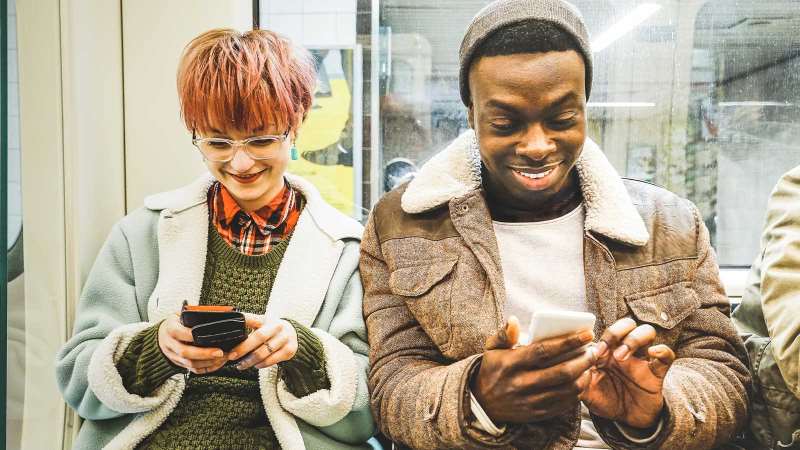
[215, 328]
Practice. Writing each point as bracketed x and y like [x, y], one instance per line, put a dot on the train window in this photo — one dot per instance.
[332, 129]
[698, 97]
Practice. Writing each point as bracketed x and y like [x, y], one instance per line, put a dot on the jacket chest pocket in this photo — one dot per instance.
[427, 287]
[664, 307]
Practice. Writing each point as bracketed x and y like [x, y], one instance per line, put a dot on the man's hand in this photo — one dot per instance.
[175, 341]
[625, 387]
[520, 385]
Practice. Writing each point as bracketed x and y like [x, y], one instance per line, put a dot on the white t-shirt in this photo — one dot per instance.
[543, 269]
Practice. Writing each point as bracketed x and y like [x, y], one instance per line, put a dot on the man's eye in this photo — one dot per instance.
[563, 122]
[502, 125]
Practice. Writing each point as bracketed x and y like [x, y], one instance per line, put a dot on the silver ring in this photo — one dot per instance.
[266, 344]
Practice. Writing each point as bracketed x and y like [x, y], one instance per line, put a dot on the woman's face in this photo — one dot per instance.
[253, 183]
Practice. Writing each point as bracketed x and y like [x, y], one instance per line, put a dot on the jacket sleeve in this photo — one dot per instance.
[341, 411]
[107, 320]
[780, 276]
[706, 388]
[418, 397]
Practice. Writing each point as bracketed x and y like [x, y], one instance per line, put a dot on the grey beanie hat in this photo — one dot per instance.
[502, 13]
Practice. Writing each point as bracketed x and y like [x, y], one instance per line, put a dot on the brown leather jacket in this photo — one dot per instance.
[434, 292]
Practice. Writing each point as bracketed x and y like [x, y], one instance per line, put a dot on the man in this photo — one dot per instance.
[522, 214]
[769, 319]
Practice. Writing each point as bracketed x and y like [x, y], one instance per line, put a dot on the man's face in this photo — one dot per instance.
[528, 111]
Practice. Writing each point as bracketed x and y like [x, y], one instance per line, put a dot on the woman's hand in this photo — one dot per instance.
[271, 342]
[175, 341]
[625, 387]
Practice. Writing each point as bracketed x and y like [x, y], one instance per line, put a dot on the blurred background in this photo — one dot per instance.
[699, 96]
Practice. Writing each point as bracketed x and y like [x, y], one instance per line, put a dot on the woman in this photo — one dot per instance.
[247, 235]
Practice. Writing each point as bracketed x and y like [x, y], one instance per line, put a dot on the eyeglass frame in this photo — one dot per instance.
[235, 143]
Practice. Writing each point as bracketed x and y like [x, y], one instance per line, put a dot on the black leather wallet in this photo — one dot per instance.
[214, 326]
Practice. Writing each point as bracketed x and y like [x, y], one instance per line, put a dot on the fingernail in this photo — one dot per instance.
[218, 354]
[240, 367]
[622, 353]
[601, 349]
[585, 336]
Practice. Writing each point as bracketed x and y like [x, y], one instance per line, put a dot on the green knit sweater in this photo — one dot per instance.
[223, 409]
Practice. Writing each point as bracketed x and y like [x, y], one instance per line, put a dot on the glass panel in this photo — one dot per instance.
[15, 387]
[744, 115]
[702, 100]
[333, 126]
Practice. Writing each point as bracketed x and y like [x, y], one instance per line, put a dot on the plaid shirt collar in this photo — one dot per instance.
[257, 232]
[269, 217]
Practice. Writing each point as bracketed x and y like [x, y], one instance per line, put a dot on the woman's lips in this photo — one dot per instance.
[246, 178]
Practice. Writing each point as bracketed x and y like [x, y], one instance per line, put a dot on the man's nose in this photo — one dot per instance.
[536, 144]
[241, 161]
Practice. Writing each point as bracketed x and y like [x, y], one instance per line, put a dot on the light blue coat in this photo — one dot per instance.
[154, 258]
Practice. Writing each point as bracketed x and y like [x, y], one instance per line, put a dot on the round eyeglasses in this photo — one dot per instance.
[223, 150]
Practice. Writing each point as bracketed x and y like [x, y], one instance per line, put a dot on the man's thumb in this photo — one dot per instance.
[507, 337]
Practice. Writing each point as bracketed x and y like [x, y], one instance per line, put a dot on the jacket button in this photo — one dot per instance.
[464, 209]
[664, 316]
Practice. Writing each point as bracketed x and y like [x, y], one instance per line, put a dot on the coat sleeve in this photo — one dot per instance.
[706, 389]
[780, 276]
[107, 319]
[341, 411]
[418, 397]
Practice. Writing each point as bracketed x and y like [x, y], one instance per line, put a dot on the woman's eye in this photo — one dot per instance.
[261, 142]
[219, 145]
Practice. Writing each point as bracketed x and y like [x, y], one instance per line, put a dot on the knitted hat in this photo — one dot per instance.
[502, 13]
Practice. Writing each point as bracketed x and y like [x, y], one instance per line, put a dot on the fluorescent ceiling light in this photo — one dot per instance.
[620, 104]
[754, 103]
[624, 26]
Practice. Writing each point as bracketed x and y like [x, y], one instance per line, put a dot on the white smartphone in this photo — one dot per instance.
[551, 323]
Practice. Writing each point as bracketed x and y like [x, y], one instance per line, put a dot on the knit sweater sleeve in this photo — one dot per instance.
[305, 373]
[143, 366]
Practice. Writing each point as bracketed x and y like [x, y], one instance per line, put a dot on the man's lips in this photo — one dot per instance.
[535, 173]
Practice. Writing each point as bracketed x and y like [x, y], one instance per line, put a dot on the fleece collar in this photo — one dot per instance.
[456, 171]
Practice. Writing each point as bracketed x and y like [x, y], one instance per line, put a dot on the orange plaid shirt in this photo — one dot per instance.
[254, 233]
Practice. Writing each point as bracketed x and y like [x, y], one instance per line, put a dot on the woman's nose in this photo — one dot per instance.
[241, 161]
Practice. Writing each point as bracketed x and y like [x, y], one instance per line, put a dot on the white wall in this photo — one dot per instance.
[159, 155]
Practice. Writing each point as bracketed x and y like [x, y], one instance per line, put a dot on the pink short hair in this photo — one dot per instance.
[246, 81]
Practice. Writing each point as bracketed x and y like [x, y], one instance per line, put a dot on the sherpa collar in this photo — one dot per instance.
[456, 171]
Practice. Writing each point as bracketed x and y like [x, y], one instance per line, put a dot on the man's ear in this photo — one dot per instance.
[471, 116]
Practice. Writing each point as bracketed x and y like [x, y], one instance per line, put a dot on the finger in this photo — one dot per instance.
[614, 335]
[541, 351]
[283, 355]
[192, 364]
[255, 339]
[179, 332]
[641, 337]
[506, 337]
[563, 373]
[195, 353]
[253, 358]
[253, 321]
[551, 403]
[661, 358]
[278, 342]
